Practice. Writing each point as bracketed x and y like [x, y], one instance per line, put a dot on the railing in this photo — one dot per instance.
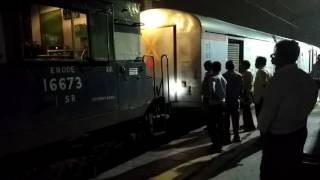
[165, 57]
[153, 74]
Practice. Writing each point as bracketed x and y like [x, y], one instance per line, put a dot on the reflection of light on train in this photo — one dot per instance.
[189, 40]
[152, 20]
[176, 88]
[177, 37]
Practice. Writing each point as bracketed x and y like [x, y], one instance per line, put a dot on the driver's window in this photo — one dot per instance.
[54, 33]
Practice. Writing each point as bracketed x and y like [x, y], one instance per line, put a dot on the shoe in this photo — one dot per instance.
[236, 139]
[215, 149]
[227, 142]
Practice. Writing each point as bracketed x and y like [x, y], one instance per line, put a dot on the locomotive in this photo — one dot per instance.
[73, 67]
[69, 68]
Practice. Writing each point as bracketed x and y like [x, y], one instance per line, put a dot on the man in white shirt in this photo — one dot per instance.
[246, 97]
[289, 98]
[260, 83]
[214, 93]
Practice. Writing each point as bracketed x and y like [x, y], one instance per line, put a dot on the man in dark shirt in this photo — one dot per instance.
[233, 90]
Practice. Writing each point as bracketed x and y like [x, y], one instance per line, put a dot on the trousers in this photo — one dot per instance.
[282, 155]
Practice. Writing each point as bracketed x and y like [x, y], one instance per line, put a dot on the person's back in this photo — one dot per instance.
[233, 91]
[234, 85]
[247, 80]
[207, 88]
[219, 88]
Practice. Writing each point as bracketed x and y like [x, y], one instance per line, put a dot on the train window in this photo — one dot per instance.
[127, 42]
[99, 36]
[53, 33]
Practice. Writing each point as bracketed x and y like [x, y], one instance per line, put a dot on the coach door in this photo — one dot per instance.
[158, 42]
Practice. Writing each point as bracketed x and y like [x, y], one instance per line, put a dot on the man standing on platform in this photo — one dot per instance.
[233, 91]
[289, 98]
[260, 83]
[214, 92]
[247, 97]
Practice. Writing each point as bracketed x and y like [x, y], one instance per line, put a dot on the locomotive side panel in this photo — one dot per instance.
[67, 82]
[42, 106]
[45, 105]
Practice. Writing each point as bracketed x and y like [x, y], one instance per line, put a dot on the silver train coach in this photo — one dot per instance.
[183, 42]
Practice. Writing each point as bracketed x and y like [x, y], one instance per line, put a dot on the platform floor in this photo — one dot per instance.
[189, 158]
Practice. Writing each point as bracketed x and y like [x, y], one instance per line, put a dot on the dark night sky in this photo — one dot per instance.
[295, 19]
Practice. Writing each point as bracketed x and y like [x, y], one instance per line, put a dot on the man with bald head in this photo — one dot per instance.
[288, 100]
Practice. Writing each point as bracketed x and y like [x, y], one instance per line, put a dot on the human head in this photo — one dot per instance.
[207, 65]
[216, 67]
[246, 64]
[286, 52]
[260, 62]
[229, 65]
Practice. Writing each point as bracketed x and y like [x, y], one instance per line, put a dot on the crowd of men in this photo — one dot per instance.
[282, 105]
[224, 94]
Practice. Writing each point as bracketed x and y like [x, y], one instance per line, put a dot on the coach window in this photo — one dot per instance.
[53, 33]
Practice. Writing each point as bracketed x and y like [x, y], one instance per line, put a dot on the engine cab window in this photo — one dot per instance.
[127, 44]
[53, 33]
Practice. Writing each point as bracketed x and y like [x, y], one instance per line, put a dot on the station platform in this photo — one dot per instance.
[189, 157]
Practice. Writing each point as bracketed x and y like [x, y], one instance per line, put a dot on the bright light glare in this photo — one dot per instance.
[152, 18]
[176, 87]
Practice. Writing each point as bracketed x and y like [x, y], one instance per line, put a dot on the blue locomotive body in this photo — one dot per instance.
[68, 68]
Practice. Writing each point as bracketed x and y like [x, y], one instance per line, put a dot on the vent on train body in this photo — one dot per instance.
[234, 54]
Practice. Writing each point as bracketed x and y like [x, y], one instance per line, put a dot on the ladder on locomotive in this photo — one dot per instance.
[161, 103]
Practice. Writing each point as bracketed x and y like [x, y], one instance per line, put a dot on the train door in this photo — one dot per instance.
[158, 42]
[235, 52]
